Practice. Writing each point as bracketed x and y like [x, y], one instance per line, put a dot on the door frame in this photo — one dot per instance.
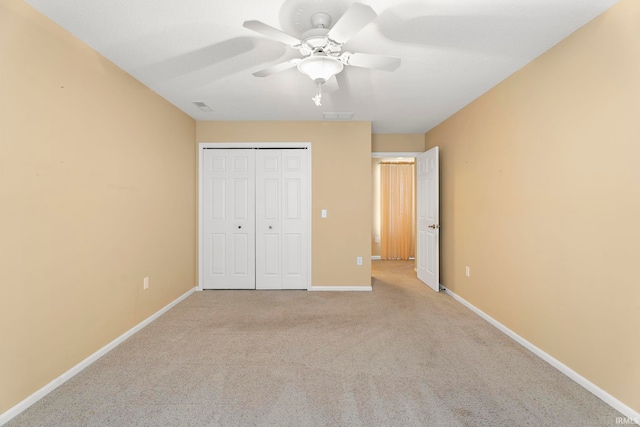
[257, 145]
[405, 154]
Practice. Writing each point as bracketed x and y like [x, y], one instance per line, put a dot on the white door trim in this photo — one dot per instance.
[383, 154]
[200, 158]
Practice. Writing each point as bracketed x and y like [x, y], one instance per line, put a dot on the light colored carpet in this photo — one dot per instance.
[401, 355]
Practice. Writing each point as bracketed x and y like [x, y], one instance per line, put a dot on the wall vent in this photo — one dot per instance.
[337, 116]
[202, 106]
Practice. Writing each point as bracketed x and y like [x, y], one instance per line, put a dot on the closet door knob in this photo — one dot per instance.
[270, 227]
[239, 226]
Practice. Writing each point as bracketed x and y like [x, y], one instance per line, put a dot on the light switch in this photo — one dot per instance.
[324, 213]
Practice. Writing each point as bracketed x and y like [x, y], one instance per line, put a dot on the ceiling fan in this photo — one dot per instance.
[321, 47]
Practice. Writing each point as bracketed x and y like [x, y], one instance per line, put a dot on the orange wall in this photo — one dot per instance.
[540, 197]
[341, 184]
[97, 191]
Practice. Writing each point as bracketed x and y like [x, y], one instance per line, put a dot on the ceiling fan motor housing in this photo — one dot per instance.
[316, 40]
[320, 20]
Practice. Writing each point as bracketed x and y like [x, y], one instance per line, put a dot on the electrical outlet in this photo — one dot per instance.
[145, 283]
[467, 271]
[359, 260]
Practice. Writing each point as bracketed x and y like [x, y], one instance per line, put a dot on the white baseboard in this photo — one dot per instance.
[632, 415]
[376, 257]
[11, 413]
[341, 288]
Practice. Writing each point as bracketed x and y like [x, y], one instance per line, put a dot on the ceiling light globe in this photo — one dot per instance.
[320, 68]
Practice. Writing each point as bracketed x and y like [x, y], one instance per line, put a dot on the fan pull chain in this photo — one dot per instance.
[318, 98]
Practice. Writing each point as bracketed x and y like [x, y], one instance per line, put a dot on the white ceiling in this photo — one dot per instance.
[452, 51]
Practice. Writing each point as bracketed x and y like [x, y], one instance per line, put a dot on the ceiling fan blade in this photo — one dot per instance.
[374, 62]
[277, 68]
[353, 20]
[273, 33]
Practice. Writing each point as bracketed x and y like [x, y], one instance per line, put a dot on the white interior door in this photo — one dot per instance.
[281, 218]
[229, 219]
[428, 213]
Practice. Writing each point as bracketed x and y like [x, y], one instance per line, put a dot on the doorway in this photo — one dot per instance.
[396, 238]
[426, 225]
[376, 223]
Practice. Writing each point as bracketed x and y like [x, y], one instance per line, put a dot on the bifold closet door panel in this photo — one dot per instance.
[282, 219]
[229, 219]
[295, 219]
[268, 219]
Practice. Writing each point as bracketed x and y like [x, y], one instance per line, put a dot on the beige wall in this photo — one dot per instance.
[341, 184]
[97, 190]
[397, 142]
[540, 196]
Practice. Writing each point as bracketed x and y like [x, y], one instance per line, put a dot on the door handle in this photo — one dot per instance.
[434, 226]
[270, 227]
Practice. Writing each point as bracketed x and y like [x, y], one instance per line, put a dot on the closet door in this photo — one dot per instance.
[282, 218]
[229, 219]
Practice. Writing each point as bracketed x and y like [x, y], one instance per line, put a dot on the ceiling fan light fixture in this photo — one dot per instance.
[320, 68]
